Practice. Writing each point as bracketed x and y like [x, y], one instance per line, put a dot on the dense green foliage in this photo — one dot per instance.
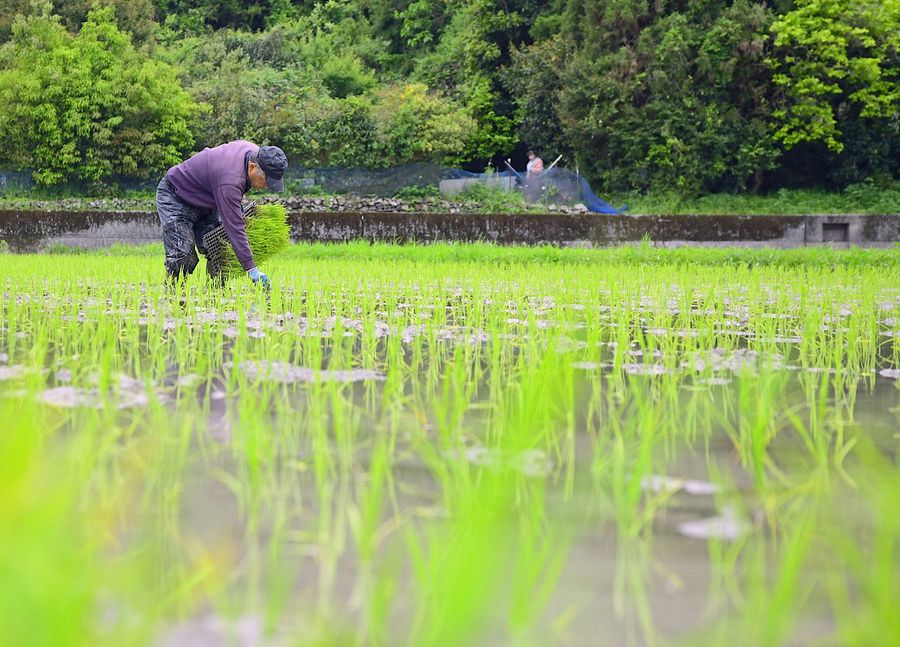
[88, 106]
[688, 97]
[671, 98]
[835, 55]
[134, 16]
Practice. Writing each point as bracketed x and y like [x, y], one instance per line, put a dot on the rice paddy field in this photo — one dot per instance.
[452, 445]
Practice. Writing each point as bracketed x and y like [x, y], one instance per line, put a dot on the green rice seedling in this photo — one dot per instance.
[267, 233]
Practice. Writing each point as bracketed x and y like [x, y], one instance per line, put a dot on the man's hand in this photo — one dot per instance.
[258, 277]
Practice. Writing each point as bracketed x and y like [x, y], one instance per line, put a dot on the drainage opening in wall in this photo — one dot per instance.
[835, 232]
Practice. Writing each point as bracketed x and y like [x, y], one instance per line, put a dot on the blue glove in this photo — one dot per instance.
[258, 277]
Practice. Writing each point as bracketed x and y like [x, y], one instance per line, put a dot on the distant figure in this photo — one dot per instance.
[535, 164]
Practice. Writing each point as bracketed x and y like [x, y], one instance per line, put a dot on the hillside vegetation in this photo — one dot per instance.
[684, 96]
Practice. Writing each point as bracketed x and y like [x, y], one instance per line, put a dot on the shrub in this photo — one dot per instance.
[418, 193]
[413, 125]
[492, 199]
[88, 106]
[346, 76]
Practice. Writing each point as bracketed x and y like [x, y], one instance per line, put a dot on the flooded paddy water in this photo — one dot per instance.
[450, 453]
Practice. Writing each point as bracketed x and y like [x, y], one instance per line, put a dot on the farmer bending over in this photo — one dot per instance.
[194, 195]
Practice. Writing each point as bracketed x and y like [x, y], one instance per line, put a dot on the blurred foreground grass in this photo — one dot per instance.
[452, 445]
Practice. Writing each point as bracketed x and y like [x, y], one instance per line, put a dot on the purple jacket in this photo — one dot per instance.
[216, 178]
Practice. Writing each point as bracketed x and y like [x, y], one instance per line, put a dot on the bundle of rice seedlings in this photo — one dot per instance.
[267, 232]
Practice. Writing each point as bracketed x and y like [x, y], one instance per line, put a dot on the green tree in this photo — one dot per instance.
[285, 86]
[534, 80]
[667, 100]
[467, 64]
[197, 15]
[88, 106]
[413, 125]
[134, 16]
[290, 108]
[835, 61]
[244, 102]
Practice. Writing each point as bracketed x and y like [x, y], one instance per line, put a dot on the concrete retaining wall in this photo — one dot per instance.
[25, 231]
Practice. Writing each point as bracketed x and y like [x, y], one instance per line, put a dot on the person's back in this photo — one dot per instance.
[197, 179]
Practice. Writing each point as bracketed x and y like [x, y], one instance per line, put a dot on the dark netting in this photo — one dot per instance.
[214, 242]
[359, 181]
[15, 181]
[562, 186]
[555, 186]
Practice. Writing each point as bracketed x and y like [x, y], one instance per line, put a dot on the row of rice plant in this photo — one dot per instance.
[449, 452]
